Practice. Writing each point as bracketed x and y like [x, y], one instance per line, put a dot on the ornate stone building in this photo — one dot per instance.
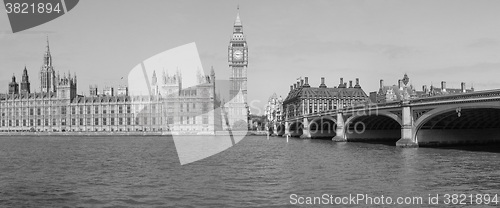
[304, 99]
[404, 91]
[58, 108]
[274, 110]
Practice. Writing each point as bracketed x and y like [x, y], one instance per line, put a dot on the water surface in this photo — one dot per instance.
[145, 172]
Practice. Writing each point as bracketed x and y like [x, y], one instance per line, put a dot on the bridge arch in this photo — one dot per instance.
[458, 124]
[323, 127]
[381, 113]
[280, 129]
[296, 128]
[378, 126]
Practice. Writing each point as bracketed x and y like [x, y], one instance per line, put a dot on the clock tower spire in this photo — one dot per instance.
[238, 63]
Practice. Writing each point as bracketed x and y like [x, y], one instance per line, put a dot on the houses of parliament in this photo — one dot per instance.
[58, 108]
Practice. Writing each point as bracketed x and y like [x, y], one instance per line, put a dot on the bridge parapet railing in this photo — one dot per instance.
[463, 96]
[361, 107]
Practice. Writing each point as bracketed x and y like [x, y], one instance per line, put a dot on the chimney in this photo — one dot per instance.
[443, 86]
[350, 83]
[291, 87]
[295, 86]
[424, 88]
[381, 83]
[298, 84]
[357, 82]
[463, 87]
[322, 83]
[306, 82]
[400, 84]
[301, 82]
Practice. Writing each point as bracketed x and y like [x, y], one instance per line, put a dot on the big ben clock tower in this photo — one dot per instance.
[238, 62]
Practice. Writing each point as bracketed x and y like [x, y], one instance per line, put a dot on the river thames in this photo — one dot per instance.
[256, 172]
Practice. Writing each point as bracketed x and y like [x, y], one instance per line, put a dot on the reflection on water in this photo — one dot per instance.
[145, 171]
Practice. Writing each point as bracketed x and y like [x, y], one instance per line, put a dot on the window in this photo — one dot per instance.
[96, 121]
[120, 120]
[205, 108]
[128, 108]
[96, 110]
[81, 121]
[112, 110]
[104, 122]
[128, 121]
[81, 109]
[120, 109]
[170, 120]
[112, 121]
[73, 110]
[39, 122]
[88, 112]
[73, 121]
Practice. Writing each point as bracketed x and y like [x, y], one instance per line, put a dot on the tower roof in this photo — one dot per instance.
[237, 22]
[48, 48]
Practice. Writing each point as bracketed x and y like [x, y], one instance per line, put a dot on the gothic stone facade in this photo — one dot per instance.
[58, 108]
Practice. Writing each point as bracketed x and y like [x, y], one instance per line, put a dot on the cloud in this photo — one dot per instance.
[483, 43]
[313, 48]
[480, 68]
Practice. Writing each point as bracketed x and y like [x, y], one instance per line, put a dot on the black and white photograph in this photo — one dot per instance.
[250, 103]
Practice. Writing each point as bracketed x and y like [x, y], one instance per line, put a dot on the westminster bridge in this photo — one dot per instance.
[442, 120]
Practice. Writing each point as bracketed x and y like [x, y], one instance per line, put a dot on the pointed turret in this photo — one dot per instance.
[47, 58]
[25, 83]
[154, 78]
[237, 22]
[238, 26]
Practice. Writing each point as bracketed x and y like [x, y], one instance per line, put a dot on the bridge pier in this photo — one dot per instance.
[340, 131]
[275, 130]
[306, 133]
[287, 129]
[408, 138]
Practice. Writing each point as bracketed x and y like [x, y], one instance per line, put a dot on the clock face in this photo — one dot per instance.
[238, 55]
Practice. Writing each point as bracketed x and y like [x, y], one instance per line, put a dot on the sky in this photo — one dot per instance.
[432, 41]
